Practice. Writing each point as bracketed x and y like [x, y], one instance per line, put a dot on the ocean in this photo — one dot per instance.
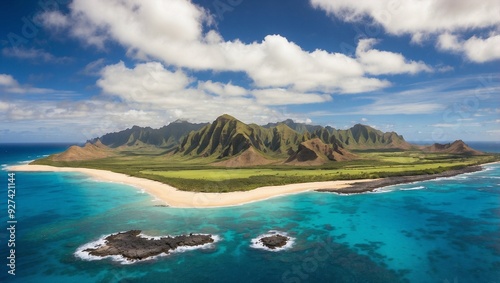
[444, 230]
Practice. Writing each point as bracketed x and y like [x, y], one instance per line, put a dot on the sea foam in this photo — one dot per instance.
[413, 188]
[395, 188]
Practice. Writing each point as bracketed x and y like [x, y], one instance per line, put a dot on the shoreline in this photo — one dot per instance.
[174, 197]
[363, 187]
[184, 199]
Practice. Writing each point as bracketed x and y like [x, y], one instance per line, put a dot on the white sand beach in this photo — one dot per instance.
[183, 199]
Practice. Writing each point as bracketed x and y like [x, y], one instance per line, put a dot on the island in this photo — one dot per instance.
[228, 162]
[133, 246]
[273, 241]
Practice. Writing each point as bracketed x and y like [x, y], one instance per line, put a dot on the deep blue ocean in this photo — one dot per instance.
[445, 230]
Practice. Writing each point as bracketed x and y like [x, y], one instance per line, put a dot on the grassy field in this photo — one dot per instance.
[190, 175]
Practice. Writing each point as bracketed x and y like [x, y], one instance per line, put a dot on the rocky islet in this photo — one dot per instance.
[133, 246]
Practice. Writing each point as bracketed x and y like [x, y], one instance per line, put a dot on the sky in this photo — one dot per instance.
[72, 70]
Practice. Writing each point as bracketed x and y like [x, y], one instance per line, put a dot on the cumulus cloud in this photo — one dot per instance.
[424, 18]
[154, 85]
[476, 49]
[147, 94]
[146, 83]
[413, 17]
[178, 33]
[7, 80]
[222, 89]
[54, 19]
[378, 62]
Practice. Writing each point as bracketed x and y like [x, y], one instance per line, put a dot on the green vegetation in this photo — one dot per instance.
[198, 175]
[186, 155]
[227, 136]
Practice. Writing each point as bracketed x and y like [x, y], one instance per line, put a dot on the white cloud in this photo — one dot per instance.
[10, 85]
[146, 83]
[153, 85]
[147, 95]
[178, 33]
[165, 95]
[447, 41]
[279, 96]
[444, 69]
[89, 119]
[54, 19]
[483, 50]
[4, 106]
[445, 125]
[384, 107]
[476, 49]
[33, 54]
[222, 89]
[93, 68]
[454, 99]
[7, 80]
[424, 18]
[279, 63]
[414, 17]
[378, 62]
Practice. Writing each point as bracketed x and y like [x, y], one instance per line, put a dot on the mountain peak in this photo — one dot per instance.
[459, 142]
[359, 125]
[225, 117]
[456, 147]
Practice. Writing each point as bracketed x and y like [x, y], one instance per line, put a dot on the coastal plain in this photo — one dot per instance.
[199, 177]
[228, 162]
[202, 185]
[184, 199]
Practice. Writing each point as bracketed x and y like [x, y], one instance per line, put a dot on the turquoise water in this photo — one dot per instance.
[445, 230]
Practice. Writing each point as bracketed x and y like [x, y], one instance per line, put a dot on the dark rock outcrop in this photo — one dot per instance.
[132, 246]
[370, 186]
[274, 241]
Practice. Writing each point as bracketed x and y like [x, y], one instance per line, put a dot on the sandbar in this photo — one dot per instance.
[184, 199]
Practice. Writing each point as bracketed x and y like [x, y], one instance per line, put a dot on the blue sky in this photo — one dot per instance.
[74, 70]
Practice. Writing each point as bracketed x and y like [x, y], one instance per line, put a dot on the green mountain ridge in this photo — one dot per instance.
[229, 142]
[298, 127]
[357, 137]
[316, 152]
[365, 137]
[166, 137]
[226, 136]
[232, 136]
